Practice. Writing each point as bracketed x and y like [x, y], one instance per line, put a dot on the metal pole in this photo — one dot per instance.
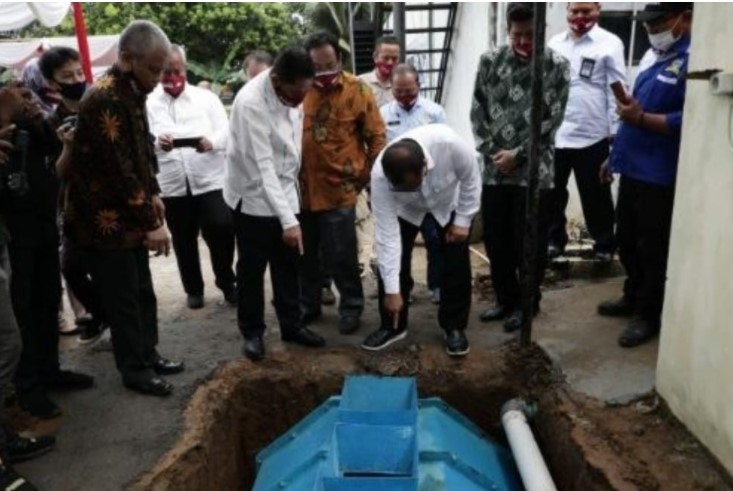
[632, 43]
[352, 44]
[82, 40]
[533, 189]
[399, 26]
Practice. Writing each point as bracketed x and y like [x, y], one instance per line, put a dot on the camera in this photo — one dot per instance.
[17, 179]
[70, 121]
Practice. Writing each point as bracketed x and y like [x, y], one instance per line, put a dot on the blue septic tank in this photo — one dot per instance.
[377, 436]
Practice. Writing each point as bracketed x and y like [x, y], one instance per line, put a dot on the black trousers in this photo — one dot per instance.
[504, 215]
[335, 232]
[595, 197]
[260, 242]
[644, 227]
[206, 213]
[10, 341]
[76, 273]
[454, 283]
[122, 279]
[35, 290]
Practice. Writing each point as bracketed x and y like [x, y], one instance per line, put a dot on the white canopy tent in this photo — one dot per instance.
[15, 54]
[16, 15]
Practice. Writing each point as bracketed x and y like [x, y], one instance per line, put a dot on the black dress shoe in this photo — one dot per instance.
[163, 366]
[622, 307]
[327, 296]
[154, 386]
[11, 480]
[516, 320]
[456, 344]
[638, 332]
[382, 338]
[195, 302]
[495, 313]
[20, 448]
[349, 324]
[37, 403]
[254, 349]
[305, 337]
[66, 380]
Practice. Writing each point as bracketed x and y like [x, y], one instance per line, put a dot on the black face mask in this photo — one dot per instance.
[72, 92]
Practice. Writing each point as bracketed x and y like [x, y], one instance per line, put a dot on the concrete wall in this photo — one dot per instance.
[471, 38]
[696, 352]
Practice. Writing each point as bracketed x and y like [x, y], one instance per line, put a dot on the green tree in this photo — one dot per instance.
[333, 17]
[209, 31]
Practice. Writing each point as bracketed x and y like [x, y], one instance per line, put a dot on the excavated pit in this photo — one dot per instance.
[244, 407]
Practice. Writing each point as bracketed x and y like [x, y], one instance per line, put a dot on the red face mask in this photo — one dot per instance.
[385, 69]
[173, 84]
[326, 80]
[582, 25]
[407, 102]
[523, 49]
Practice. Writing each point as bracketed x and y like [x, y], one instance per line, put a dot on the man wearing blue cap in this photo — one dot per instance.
[645, 154]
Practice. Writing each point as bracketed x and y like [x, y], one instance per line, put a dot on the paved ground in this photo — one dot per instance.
[108, 435]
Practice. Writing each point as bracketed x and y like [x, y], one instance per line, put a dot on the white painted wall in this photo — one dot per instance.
[471, 38]
[696, 351]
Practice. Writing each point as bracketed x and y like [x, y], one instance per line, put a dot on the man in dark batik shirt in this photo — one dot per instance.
[112, 206]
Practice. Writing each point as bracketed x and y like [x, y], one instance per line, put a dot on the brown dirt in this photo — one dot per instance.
[244, 406]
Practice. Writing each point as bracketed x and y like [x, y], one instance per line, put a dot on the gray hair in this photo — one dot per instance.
[258, 56]
[180, 50]
[142, 37]
[406, 69]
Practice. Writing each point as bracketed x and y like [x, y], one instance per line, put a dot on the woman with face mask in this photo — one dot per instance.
[62, 69]
[645, 154]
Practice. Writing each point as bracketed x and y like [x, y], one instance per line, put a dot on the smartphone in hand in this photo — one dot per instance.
[619, 92]
[186, 142]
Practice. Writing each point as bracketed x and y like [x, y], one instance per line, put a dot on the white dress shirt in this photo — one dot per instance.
[596, 61]
[263, 159]
[399, 120]
[452, 183]
[194, 113]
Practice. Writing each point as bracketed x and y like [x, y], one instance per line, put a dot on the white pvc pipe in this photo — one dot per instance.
[531, 464]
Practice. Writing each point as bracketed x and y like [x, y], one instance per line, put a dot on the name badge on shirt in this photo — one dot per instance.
[587, 65]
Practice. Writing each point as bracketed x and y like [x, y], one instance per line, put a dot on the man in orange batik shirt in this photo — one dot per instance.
[343, 134]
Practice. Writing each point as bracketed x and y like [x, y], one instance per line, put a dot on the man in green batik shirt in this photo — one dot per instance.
[500, 116]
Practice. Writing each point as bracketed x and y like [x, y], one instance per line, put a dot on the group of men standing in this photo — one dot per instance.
[601, 130]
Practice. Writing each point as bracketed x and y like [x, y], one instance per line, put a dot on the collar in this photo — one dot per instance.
[681, 47]
[591, 35]
[418, 104]
[378, 82]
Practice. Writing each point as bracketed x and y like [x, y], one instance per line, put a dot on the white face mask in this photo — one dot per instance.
[662, 41]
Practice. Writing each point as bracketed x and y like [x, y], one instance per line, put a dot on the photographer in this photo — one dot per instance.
[62, 69]
[29, 204]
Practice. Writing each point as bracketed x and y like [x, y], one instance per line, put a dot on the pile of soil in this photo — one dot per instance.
[245, 406]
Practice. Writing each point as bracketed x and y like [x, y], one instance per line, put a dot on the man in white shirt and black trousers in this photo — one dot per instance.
[263, 162]
[191, 177]
[427, 170]
[582, 143]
